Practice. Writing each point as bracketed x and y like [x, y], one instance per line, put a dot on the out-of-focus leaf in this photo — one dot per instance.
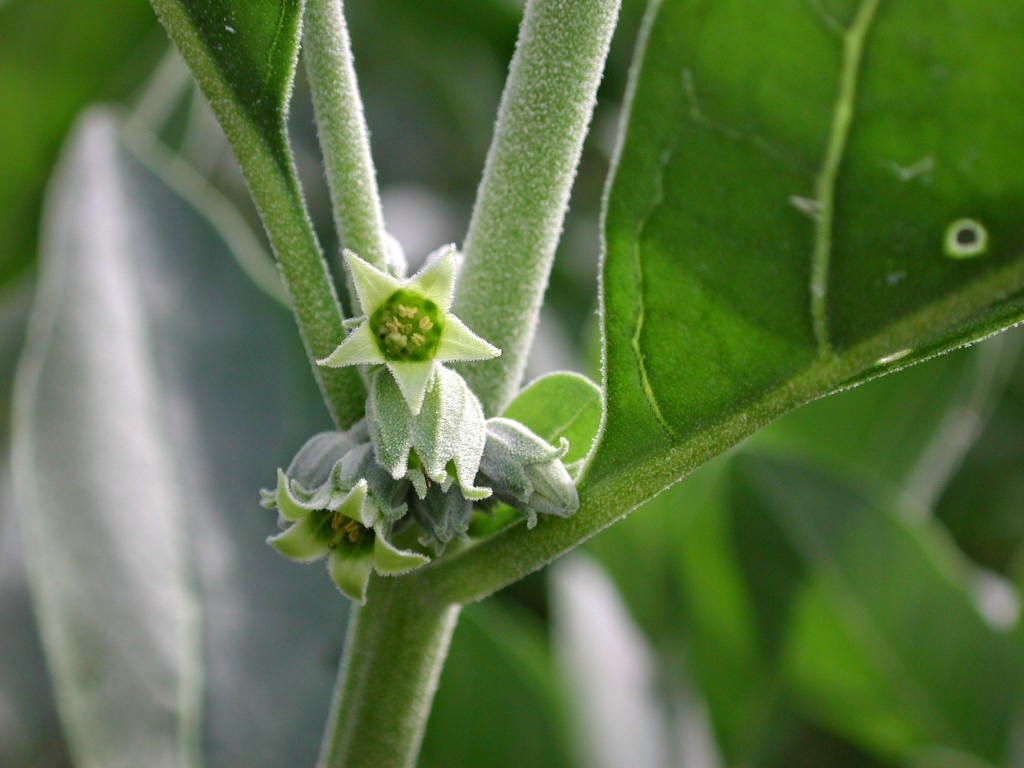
[55, 57]
[29, 732]
[880, 639]
[500, 702]
[903, 436]
[560, 405]
[732, 588]
[983, 507]
[158, 392]
[777, 225]
[620, 701]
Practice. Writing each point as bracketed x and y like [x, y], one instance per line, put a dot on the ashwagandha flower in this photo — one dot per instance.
[526, 471]
[407, 325]
[338, 504]
[444, 441]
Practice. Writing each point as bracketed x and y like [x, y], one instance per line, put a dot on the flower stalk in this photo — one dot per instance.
[344, 138]
[520, 206]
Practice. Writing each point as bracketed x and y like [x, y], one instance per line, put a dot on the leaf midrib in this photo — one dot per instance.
[853, 41]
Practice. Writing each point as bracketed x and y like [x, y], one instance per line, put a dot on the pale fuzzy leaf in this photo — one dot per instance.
[144, 331]
[115, 598]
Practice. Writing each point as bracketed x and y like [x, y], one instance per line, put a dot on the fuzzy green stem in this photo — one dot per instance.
[275, 189]
[396, 647]
[343, 133]
[521, 203]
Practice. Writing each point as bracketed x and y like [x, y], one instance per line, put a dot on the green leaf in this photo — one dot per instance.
[560, 405]
[983, 505]
[49, 70]
[776, 222]
[902, 436]
[499, 702]
[244, 56]
[877, 635]
[138, 455]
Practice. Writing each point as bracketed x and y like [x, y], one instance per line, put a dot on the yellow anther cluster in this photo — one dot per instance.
[348, 528]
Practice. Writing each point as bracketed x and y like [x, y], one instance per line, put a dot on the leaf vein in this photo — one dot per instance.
[825, 186]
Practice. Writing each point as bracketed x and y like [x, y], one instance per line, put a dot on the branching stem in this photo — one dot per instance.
[343, 133]
[521, 203]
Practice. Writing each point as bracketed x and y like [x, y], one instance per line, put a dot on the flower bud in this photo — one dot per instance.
[526, 471]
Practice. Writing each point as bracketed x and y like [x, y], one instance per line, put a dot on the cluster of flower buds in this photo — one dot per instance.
[424, 454]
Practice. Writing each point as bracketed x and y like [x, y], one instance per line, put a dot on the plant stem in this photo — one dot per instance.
[543, 118]
[343, 133]
[268, 168]
[396, 647]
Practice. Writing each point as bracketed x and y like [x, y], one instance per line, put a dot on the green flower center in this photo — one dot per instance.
[407, 326]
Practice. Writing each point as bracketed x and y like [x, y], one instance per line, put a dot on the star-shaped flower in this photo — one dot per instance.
[347, 527]
[408, 325]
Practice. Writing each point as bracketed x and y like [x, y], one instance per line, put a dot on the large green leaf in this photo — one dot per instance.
[158, 392]
[777, 221]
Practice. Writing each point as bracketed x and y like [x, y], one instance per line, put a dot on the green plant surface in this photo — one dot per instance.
[717, 318]
[754, 597]
[761, 256]
[157, 579]
[501, 701]
[243, 55]
[55, 57]
[521, 203]
[883, 641]
[560, 405]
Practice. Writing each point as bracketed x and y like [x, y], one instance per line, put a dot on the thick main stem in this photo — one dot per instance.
[396, 647]
[521, 203]
[343, 133]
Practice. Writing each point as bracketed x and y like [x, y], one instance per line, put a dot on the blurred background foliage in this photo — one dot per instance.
[841, 590]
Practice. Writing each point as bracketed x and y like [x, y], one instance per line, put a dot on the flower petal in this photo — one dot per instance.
[390, 424]
[436, 280]
[358, 348]
[353, 505]
[412, 379]
[391, 561]
[303, 541]
[290, 507]
[460, 343]
[372, 285]
[350, 569]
